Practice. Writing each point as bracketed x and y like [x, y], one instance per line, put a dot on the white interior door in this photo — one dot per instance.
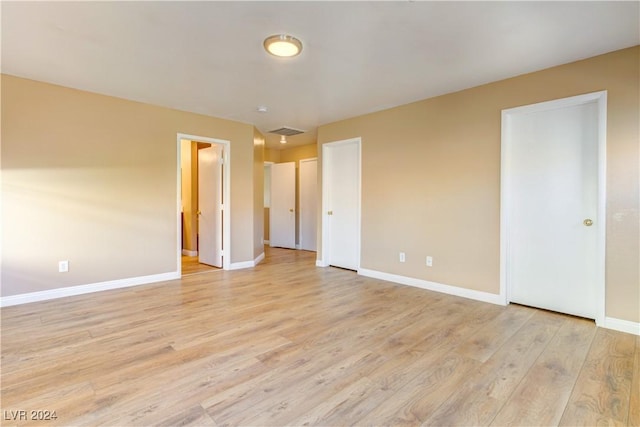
[341, 204]
[308, 203]
[553, 209]
[210, 205]
[282, 215]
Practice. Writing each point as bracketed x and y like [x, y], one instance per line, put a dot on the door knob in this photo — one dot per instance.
[588, 222]
[199, 212]
[290, 210]
[330, 213]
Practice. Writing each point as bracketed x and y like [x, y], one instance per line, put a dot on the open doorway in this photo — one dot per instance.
[203, 230]
[301, 202]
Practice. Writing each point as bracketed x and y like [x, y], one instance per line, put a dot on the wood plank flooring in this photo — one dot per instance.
[190, 265]
[287, 343]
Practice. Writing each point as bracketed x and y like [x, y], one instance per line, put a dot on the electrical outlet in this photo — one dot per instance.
[63, 266]
[402, 257]
[429, 261]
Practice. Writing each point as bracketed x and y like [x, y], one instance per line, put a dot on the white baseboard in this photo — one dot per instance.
[609, 322]
[85, 289]
[298, 247]
[622, 325]
[321, 263]
[433, 286]
[241, 265]
[246, 264]
[187, 252]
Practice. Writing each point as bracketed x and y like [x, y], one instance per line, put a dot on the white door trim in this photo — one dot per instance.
[226, 198]
[282, 213]
[267, 164]
[601, 99]
[210, 217]
[324, 261]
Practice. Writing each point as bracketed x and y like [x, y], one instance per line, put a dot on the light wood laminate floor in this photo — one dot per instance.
[287, 343]
[190, 265]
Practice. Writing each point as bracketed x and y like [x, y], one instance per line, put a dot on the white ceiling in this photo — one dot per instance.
[358, 57]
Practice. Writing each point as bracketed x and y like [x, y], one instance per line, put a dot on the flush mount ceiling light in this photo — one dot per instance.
[283, 139]
[283, 45]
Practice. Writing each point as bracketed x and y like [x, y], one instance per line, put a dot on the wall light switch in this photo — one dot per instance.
[63, 266]
[402, 257]
[429, 261]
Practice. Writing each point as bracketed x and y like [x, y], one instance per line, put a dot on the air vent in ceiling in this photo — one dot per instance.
[287, 131]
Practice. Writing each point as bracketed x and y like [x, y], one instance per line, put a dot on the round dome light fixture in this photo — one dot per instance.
[283, 45]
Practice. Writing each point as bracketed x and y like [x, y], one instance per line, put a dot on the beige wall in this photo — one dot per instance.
[297, 153]
[271, 155]
[92, 179]
[431, 177]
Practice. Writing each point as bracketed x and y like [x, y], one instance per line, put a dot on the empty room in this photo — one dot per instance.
[320, 213]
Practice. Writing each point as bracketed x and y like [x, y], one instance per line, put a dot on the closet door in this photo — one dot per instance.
[282, 215]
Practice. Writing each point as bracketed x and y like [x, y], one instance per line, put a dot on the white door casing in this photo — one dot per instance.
[341, 204]
[226, 197]
[282, 216]
[210, 164]
[308, 175]
[553, 183]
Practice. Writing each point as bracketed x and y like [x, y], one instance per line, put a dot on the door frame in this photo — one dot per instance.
[505, 186]
[216, 203]
[281, 165]
[326, 167]
[226, 197]
[267, 241]
[299, 197]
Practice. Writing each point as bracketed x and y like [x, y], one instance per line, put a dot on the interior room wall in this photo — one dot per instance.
[271, 155]
[92, 179]
[431, 177]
